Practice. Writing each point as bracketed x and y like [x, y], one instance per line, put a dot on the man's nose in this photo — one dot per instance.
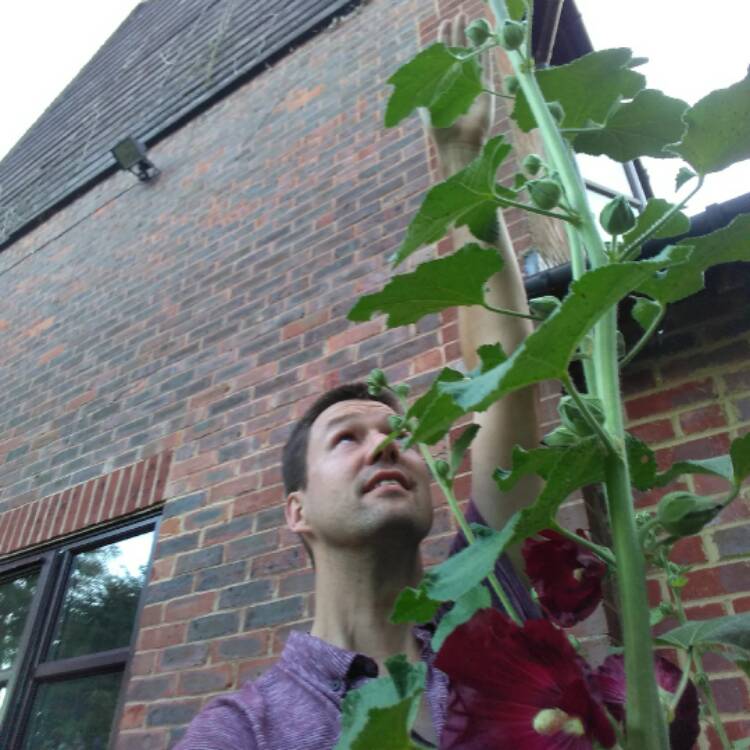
[390, 452]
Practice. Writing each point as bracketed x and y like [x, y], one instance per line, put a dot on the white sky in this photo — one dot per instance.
[693, 47]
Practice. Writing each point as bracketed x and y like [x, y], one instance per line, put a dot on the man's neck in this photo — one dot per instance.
[354, 596]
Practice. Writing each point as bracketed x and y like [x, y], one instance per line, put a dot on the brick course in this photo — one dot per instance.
[179, 328]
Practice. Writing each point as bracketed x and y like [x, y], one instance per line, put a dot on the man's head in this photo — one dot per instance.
[340, 490]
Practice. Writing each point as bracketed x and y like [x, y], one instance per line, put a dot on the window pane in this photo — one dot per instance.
[101, 598]
[73, 714]
[15, 601]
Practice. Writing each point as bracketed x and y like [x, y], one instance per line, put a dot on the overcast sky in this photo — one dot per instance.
[693, 47]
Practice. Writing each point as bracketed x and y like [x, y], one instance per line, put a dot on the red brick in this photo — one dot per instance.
[51, 354]
[162, 636]
[703, 419]
[96, 503]
[189, 607]
[730, 694]
[157, 496]
[353, 335]
[252, 502]
[703, 583]
[688, 551]
[151, 615]
[143, 664]
[672, 398]
[201, 681]
[297, 327]
[234, 487]
[122, 493]
[136, 485]
[133, 716]
[741, 604]
[198, 463]
[278, 562]
[654, 432]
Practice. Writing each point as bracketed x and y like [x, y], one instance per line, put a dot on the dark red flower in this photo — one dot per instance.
[567, 577]
[518, 687]
[683, 727]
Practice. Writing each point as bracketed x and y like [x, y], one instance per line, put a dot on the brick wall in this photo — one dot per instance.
[197, 317]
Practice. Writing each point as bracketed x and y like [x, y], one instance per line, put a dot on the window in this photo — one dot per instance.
[66, 628]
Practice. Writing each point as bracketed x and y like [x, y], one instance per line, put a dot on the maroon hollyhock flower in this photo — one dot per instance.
[567, 577]
[518, 687]
[683, 727]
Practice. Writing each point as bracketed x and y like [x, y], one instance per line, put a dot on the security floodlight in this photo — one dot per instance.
[130, 154]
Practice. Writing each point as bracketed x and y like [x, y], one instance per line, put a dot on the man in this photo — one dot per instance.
[362, 515]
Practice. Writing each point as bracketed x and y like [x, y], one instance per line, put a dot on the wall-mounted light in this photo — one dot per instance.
[130, 154]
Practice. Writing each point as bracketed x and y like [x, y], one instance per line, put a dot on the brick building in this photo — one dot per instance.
[159, 338]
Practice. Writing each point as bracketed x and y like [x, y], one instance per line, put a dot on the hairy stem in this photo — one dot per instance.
[512, 313]
[643, 340]
[597, 429]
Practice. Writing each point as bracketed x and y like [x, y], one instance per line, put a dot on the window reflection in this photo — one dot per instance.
[101, 598]
[73, 714]
[15, 602]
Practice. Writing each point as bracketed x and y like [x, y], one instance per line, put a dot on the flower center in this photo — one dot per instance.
[550, 721]
[578, 574]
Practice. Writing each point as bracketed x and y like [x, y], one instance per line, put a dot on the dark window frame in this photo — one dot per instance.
[30, 670]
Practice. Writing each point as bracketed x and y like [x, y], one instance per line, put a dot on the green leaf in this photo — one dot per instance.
[461, 612]
[641, 127]
[524, 463]
[726, 245]
[720, 466]
[655, 209]
[434, 411]
[732, 631]
[645, 311]
[587, 88]
[451, 281]
[717, 133]
[413, 605]
[450, 580]
[683, 175]
[382, 712]
[516, 9]
[460, 446]
[641, 462]
[739, 452]
[465, 199]
[438, 80]
[576, 466]
[545, 353]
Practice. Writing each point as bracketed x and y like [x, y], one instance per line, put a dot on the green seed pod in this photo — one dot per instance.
[478, 32]
[533, 163]
[442, 468]
[557, 111]
[682, 513]
[560, 437]
[401, 390]
[544, 306]
[395, 421]
[512, 34]
[617, 217]
[544, 193]
[511, 85]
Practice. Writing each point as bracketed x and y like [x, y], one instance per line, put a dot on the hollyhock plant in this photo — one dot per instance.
[683, 727]
[567, 577]
[522, 687]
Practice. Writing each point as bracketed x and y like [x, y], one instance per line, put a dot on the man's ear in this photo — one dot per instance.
[294, 511]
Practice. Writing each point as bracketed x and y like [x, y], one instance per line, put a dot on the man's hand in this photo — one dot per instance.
[458, 144]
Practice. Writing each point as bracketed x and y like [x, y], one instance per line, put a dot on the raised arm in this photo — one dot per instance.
[513, 420]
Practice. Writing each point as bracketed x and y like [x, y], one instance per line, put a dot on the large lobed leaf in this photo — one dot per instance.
[382, 712]
[717, 132]
[461, 612]
[587, 88]
[436, 79]
[726, 245]
[452, 579]
[466, 198]
[454, 280]
[641, 127]
[545, 354]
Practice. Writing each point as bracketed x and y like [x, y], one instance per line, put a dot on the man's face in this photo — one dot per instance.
[354, 495]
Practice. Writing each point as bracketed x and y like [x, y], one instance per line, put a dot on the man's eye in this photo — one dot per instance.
[343, 436]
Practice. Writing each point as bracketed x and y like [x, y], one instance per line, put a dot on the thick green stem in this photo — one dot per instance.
[604, 553]
[646, 725]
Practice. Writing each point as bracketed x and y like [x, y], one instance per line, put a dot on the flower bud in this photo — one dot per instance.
[573, 419]
[442, 469]
[478, 32]
[560, 437]
[557, 111]
[682, 513]
[512, 34]
[511, 85]
[395, 421]
[532, 163]
[376, 381]
[401, 390]
[617, 217]
[544, 193]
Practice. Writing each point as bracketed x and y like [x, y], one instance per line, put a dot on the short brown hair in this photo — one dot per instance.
[294, 457]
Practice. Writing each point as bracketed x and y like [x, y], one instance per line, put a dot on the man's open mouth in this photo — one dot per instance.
[386, 478]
